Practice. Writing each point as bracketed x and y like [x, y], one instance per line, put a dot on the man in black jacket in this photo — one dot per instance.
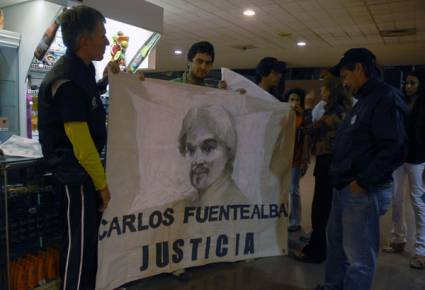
[72, 136]
[369, 146]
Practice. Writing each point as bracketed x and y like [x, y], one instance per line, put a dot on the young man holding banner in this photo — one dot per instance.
[200, 60]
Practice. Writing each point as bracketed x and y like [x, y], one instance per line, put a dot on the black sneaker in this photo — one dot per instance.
[303, 257]
[293, 229]
[319, 287]
[182, 275]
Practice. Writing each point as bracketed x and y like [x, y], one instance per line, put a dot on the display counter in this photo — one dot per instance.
[29, 225]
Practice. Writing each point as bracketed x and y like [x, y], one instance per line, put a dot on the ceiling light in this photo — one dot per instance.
[249, 12]
[178, 52]
[301, 43]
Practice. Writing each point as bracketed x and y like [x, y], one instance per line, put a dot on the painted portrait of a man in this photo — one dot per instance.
[208, 141]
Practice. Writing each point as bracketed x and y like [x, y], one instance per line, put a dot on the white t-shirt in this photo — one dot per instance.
[318, 111]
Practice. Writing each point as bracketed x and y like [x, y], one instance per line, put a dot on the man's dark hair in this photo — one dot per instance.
[298, 91]
[200, 47]
[79, 21]
[371, 69]
[266, 66]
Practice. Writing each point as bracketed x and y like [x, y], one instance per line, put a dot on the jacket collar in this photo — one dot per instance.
[80, 64]
[366, 88]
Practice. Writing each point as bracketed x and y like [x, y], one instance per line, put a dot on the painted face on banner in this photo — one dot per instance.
[208, 157]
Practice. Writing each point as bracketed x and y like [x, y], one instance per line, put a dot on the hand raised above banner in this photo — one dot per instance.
[113, 66]
[222, 85]
[241, 91]
[139, 73]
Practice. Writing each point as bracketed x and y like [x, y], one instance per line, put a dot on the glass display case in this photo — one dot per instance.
[36, 74]
[9, 87]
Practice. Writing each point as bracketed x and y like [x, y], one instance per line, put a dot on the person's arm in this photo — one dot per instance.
[74, 107]
[85, 151]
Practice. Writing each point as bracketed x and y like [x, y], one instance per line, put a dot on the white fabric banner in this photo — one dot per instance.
[197, 175]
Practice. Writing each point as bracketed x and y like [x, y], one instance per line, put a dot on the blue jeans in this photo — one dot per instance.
[353, 237]
[294, 190]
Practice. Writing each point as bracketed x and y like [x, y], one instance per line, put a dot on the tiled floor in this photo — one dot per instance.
[284, 273]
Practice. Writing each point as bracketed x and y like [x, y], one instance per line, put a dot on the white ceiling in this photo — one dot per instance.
[328, 26]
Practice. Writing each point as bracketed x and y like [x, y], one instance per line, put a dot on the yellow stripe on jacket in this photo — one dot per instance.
[84, 149]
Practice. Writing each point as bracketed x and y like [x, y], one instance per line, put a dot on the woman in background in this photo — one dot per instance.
[321, 135]
[414, 169]
[296, 99]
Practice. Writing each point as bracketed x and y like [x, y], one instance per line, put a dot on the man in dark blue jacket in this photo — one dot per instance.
[369, 146]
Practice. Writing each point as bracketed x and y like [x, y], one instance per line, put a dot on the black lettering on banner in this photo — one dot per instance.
[234, 207]
[249, 244]
[202, 218]
[207, 248]
[263, 214]
[162, 254]
[168, 217]
[255, 212]
[283, 211]
[128, 222]
[155, 219]
[213, 213]
[245, 212]
[145, 258]
[224, 213]
[158, 218]
[104, 233]
[237, 244]
[222, 242]
[188, 212]
[140, 225]
[178, 251]
[115, 225]
[195, 244]
[274, 211]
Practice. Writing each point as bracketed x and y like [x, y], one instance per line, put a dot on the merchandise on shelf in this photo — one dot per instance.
[119, 47]
[34, 271]
[37, 71]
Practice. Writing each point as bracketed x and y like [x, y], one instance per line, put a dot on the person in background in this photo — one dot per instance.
[416, 167]
[413, 168]
[369, 145]
[268, 73]
[399, 230]
[319, 138]
[296, 99]
[200, 59]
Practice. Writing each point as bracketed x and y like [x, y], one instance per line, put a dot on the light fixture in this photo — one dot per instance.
[249, 12]
[178, 52]
[301, 43]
